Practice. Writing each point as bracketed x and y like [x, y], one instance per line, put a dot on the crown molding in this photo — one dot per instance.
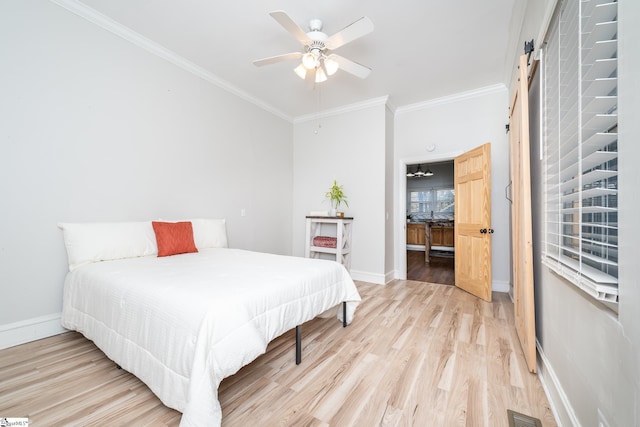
[461, 96]
[382, 100]
[391, 105]
[92, 15]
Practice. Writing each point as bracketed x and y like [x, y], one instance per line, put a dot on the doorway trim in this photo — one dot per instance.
[401, 204]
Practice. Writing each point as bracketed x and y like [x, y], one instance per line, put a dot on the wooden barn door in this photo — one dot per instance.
[521, 227]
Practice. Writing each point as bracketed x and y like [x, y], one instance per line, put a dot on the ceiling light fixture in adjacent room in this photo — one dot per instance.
[419, 173]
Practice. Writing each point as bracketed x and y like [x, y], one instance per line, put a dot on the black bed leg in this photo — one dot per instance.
[344, 314]
[298, 346]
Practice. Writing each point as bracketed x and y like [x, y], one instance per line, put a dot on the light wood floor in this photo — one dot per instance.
[416, 354]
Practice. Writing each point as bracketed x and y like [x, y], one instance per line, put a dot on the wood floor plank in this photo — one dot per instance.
[416, 354]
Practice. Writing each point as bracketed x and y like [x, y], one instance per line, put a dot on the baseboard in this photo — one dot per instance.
[500, 286]
[558, 400]
[30, 330]
[390, 276]
[368, 277]
[396, 275]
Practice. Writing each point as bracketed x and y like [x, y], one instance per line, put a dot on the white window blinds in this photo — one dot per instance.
[581, 180]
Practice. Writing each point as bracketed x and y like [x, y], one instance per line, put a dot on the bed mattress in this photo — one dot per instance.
[183, 323]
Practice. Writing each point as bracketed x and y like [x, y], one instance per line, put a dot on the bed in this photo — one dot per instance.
[183, 322]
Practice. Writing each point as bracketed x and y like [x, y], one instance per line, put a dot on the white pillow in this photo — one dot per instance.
[209, 233]
[103, 241]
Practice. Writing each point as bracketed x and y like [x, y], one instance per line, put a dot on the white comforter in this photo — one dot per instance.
[183, 323]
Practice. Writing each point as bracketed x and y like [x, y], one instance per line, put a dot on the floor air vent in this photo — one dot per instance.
[517, 419]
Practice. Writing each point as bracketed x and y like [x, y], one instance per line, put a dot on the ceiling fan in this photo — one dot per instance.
[318, 61]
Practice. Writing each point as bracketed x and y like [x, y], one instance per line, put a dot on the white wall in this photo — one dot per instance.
[454, 125]
[389, 267]
[348, 147]
[94, 128]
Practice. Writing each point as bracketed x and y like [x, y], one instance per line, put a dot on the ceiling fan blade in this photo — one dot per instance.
[277, 58]
[349, 66]
[289, 25]
[357, 29]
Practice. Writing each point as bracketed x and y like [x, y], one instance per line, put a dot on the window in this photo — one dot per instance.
[439, 201]
[580, 152]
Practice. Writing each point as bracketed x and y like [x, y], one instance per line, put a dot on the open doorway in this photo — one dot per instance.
[430, 201]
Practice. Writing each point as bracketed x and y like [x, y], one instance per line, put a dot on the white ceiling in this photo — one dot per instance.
[419, 50]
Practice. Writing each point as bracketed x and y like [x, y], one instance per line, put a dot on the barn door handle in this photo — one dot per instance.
[483, 231]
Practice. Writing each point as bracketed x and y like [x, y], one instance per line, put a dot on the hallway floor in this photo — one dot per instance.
[439, 270]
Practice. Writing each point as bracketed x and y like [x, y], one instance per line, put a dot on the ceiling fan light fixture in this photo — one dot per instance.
[316, 47]
[320, 75]
[309, 61]
[301, 71]
[331, 65]
[419, 171]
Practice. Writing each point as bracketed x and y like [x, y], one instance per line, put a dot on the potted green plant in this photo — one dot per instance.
[337, 197]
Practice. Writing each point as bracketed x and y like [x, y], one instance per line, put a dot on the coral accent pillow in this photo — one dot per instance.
[174, 238]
